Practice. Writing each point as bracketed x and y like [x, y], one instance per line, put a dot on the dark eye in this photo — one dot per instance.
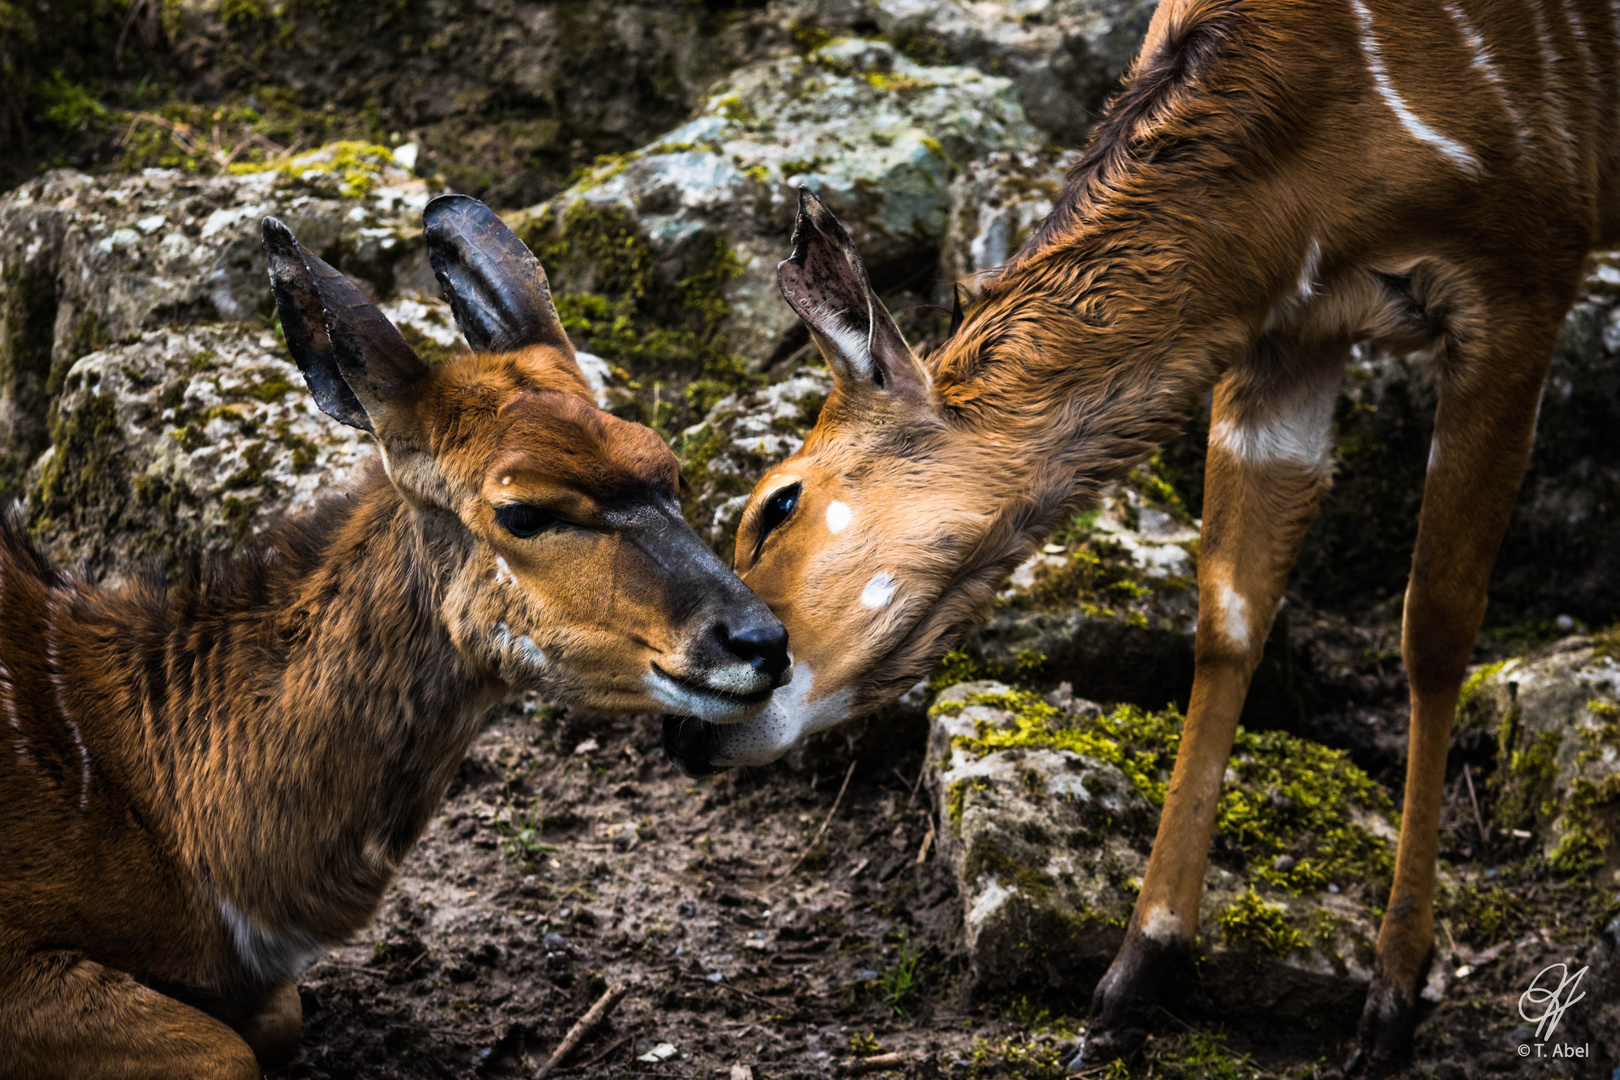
[778, 508]
[523, 520]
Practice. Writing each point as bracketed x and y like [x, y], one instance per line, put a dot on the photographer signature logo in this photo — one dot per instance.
[1552, 1000]
[1550, 995]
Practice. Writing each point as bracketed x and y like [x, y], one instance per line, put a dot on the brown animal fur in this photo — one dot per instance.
[1276, 182]
[204, 784]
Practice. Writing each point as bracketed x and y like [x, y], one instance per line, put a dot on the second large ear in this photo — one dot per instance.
[352, 357]
[495, 285]
[825, 282]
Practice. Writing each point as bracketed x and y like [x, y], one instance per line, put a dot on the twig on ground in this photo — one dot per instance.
[917, 783]
[605, 1054]
[875, 1063]
[582, 1028]
[1484, 837]
[928, 842]
[816, 839]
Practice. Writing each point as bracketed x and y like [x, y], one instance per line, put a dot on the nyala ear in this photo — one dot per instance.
[352, 357]
[825, 282]
[495, 285]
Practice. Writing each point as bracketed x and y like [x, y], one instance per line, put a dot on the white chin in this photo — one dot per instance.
[685, 700]
[787, 719]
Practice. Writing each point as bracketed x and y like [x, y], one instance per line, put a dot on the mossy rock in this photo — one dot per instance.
[182, 444]
[1553, 718]
[703, 214]
[1047, 813]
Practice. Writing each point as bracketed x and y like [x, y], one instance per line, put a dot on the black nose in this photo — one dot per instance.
[763, 643]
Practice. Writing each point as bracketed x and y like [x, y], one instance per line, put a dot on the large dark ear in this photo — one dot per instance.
[352, 357]
[495, 285]
[825, 282]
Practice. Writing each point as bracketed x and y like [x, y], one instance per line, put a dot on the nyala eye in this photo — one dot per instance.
[778, 508]
[523, 520]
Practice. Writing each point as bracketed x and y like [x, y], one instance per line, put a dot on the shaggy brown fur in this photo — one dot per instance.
[1277, 181]
[203, 785]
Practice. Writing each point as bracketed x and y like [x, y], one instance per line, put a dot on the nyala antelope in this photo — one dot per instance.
[1276, 181]
[204, 784]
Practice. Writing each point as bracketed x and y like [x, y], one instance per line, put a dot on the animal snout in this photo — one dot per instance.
[758, 640]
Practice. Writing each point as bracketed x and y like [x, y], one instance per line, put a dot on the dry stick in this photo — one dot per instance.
[583, 1027]
[917, 783]
[928, 841]
[817, 838]
[874, 1063]
[1480, 821]
[612, 1046]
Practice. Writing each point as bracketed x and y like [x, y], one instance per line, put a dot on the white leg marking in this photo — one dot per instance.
[1454, 151]
[1160, 925]
[1486, 66]
[1234, 617]
[838, 517]
[879, 592]
[1434, 451]
[1297, 433]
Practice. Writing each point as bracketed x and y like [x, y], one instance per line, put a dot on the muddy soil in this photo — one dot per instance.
[571, 856]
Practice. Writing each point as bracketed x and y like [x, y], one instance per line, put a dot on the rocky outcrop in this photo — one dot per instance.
[86, 263]
[996, 203]
[1047, 808]
[711, 204]
[1554, 719]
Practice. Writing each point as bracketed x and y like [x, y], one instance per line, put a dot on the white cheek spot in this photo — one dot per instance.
[879, 592]
[506, 480]
[503, 572]
[838, 517]
[1234, 617]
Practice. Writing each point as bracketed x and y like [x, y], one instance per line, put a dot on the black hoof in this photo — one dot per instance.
[1124, 1004]
[1384, 1037]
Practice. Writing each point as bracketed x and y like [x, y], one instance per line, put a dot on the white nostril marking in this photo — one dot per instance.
[879, 592]
[838, 517]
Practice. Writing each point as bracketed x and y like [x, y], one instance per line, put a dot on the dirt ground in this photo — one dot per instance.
[571, 856]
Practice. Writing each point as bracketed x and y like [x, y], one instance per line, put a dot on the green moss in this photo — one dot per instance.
[88, 468]
[1482, 917]
[1288, 796]
[616, 298]
[428, 350]
[1527, 788]
[1471, 696]
[987, 857]
[357, 165]
[954, 667]
[272, 389]
[1591, 814]
[1251, 921]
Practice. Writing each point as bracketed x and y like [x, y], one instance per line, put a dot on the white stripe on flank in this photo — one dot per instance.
[9, 690]
[1308, 272]
[1485, 65]
[1454, 151]
[57, 692]
[1550, 60]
